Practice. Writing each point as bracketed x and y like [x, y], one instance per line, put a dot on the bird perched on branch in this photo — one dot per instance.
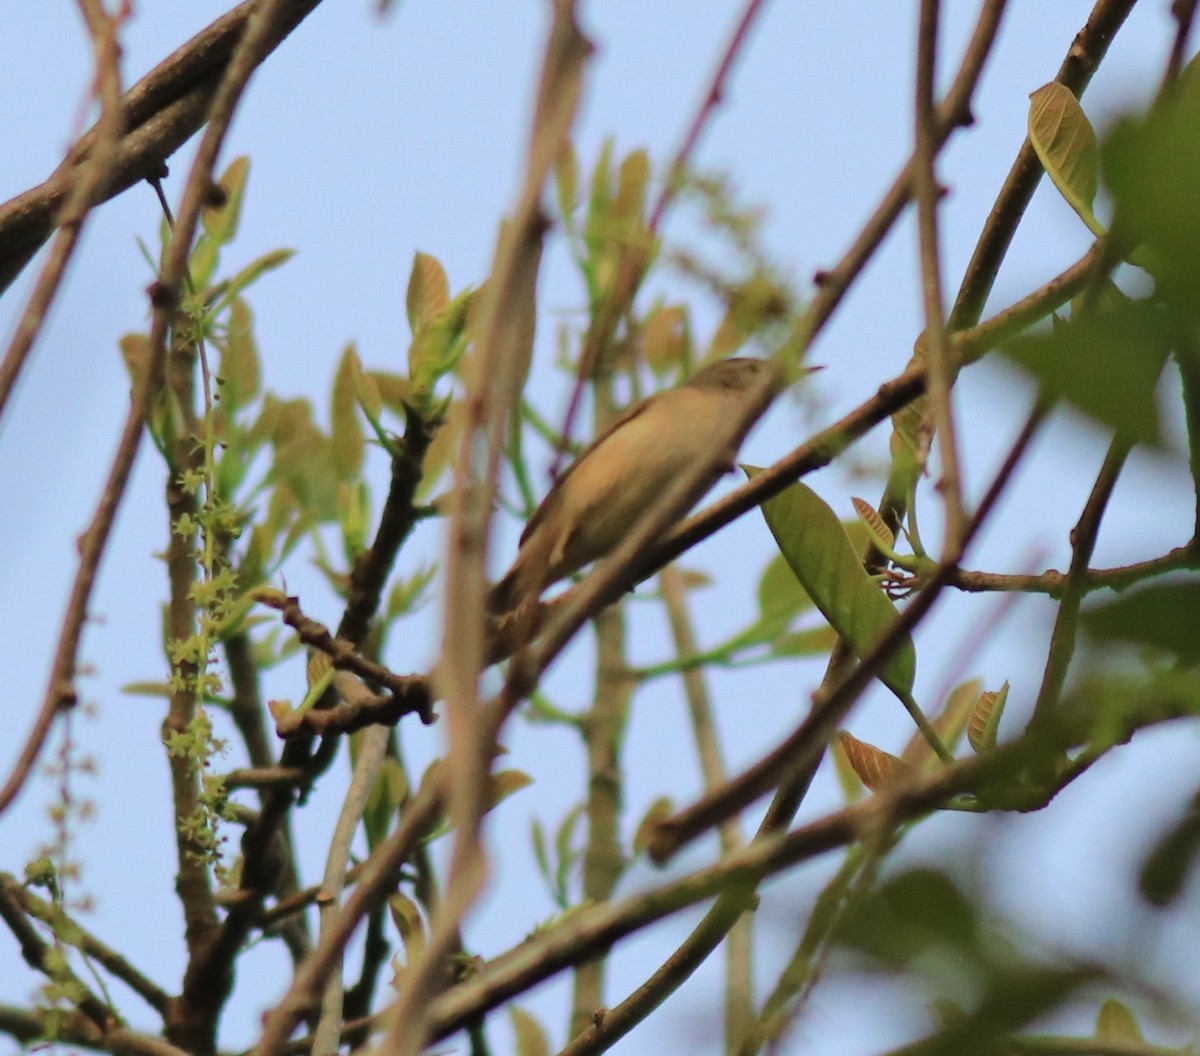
[620, 475]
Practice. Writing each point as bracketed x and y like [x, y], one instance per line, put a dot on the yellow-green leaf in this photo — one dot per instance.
[1116, 1023]
[1065, 143]
[428, 290]
[503, 784]
[632, 182]
[221, 222]
[406, 917]
[666, 339]
[530, 1037]
[347, 429]
[566, 179]
[659, 811]
[240, 374]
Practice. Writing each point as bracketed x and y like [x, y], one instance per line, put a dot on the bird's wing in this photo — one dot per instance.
[547, 503]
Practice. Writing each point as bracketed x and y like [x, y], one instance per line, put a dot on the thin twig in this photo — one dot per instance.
[100, 952]
[1184, 13]
[603, 730]
[372, 747]
[83, 194]
[1083, 543]
[377, 876]
[739, 944]
[408, 693]
[927, 192]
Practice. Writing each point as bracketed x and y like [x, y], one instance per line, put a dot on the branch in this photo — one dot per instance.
[378, 876]
[160, 113]
[1083, 543]
[1082, 59]
[409, 693]
[39, 955]
[371, 750]
[374, 565]
[104, 955]
[91, 175]
[928, 193]
[1054, 583]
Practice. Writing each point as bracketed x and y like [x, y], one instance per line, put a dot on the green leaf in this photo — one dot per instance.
[241, 376]
[202, 261]
[531, 1039]
[1166, 869]
[428, 291]
[1065, 143]
[1116, 1023]
[632, 181]
[917, 911]
[1150, 165]
[348, 443]
[1106, 363]
[818, 551]
[1165, 616]
[566, 179]
[387, 794]
[249, 275]
[815, 641]
[781, 598]
[221, 222]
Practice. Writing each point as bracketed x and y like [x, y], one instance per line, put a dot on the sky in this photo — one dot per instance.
[373, 138]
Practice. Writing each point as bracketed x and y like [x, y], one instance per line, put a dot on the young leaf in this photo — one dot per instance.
[1065, 143]
[874, 767]
[665, 339]
[985, 719]
[428, 291]
[406, 916]
[659, 810]
[241, 377]
[1116, 1023]
[531, 1039]
[221, 221]
[347, 436]
[881, 535]
[566, 180]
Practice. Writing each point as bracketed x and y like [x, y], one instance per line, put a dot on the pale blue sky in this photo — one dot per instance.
[371, 139]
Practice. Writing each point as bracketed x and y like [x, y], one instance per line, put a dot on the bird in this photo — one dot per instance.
[620, 474]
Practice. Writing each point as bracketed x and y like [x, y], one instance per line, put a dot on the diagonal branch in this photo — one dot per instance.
[161, 113]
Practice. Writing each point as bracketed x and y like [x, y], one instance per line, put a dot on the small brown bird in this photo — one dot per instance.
[622, 472]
